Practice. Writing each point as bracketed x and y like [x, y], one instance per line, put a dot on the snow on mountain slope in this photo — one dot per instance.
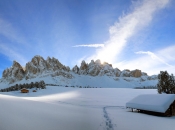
[94, 74]
[87, 81]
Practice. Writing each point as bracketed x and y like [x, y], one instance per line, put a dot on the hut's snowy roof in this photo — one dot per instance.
[152, 102]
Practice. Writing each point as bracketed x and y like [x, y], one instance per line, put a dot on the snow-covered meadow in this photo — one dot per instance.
[65, 108]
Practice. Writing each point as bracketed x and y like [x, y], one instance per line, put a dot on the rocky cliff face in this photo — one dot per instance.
[14, 73]
[98, 69]
[38, 66]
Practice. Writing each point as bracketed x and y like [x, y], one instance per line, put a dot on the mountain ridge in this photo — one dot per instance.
[39, 67]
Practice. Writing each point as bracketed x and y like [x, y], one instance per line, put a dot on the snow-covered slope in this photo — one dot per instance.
[94, 74]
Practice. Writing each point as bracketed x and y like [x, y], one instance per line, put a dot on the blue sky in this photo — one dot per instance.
[137, 34]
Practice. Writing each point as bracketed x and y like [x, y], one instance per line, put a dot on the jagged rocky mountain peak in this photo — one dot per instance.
[99, 69]
[98, 62]
[92, 62]
[75, 69]
[38, 66]
[48, 59]
[16, 64]
[14, 73]
[136, 73]
[84, 65]
[37, 60]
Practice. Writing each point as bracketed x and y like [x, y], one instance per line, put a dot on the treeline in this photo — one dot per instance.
[82, 86]
[31, 85]
[72, 86]
[146, 87]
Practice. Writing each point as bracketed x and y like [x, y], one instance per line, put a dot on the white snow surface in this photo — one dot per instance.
[66, 108]
[152, 102]
[87, 80]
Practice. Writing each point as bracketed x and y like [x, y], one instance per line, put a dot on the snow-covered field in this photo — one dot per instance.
[61, 108]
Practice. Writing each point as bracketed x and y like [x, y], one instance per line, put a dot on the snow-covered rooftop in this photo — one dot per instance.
[152, 102]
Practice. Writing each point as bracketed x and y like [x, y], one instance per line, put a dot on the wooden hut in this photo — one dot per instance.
[154, 104]
[24, 90]
[34, 90]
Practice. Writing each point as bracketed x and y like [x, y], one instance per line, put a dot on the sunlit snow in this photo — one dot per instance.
[65, 108]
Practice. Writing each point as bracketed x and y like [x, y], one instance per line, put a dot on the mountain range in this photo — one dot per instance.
[91, 74]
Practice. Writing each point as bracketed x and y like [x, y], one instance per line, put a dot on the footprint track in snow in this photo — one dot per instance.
[108, 124]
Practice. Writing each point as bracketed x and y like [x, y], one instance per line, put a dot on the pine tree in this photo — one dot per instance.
[166, 83]
[172, 84]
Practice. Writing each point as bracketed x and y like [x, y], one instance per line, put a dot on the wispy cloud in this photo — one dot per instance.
[127, 26]
[151, 62]
[90, 45]
[15, 43]
[154, 57]
[11, 54]
[8, 31]
[168, 53]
